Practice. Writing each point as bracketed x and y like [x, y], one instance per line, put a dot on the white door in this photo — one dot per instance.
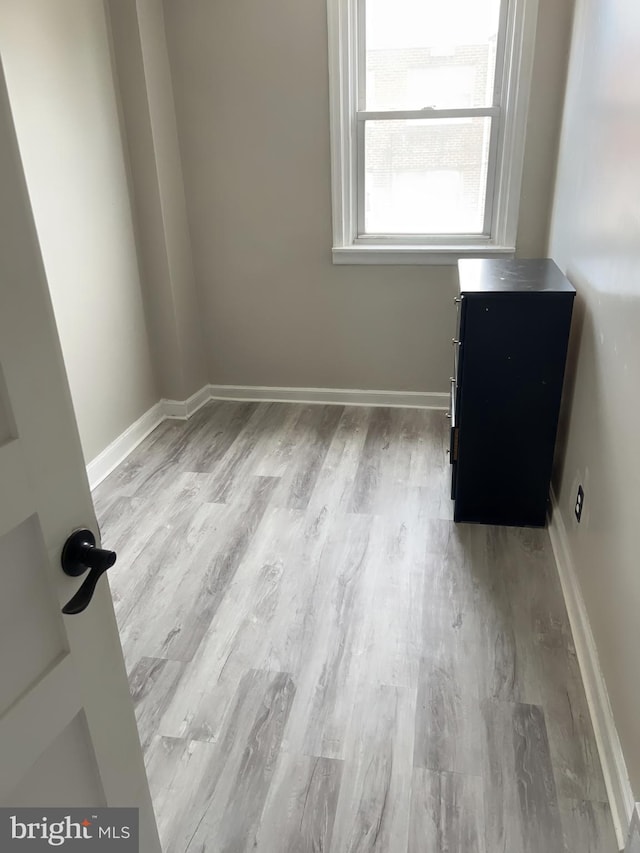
[68, 735]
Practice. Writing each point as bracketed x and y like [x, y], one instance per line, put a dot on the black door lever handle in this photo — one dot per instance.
[78, 555]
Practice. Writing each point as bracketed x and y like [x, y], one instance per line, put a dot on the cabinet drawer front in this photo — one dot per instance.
[453, 444]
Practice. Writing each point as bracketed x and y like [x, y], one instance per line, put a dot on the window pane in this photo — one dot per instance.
[430, 53]
[426, 177]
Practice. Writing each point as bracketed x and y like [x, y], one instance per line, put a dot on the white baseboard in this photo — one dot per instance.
[614, 768]
[183, 409]
[118, 450]
[124, 444]
[328, 396]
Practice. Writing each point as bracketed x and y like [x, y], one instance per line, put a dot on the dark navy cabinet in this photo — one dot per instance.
[510, 349]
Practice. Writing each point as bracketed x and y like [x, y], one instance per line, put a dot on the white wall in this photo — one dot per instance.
[57, 63]
[595, 237]
[251, 91]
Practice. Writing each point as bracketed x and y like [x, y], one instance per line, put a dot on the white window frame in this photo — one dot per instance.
[514, 66]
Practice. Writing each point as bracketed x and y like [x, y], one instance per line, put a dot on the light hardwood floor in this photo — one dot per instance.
[322, 661]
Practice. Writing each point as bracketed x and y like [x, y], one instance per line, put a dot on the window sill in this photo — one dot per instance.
[416, 255]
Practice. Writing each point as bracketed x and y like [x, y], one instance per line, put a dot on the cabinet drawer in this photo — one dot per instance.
[453, 444]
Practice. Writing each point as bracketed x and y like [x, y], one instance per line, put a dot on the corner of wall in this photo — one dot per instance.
[141, 67]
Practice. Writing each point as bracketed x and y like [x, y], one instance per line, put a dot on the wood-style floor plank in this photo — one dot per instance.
[374, 803]
[313, 433]
[167, 567]
[321, 660]
[447, 813]
[373, 460]
[300, 810]
[521, 805]
[249, 763]
[235, 639]
[394, 630]
[288, 641]
[221, 798]
[240, 460]
[588, 827]
[152, 683]
[327, 685]
[448, 725]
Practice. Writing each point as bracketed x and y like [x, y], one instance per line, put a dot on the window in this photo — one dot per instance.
[428, 113]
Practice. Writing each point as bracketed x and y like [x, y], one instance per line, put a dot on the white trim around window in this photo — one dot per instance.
[509, 119]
